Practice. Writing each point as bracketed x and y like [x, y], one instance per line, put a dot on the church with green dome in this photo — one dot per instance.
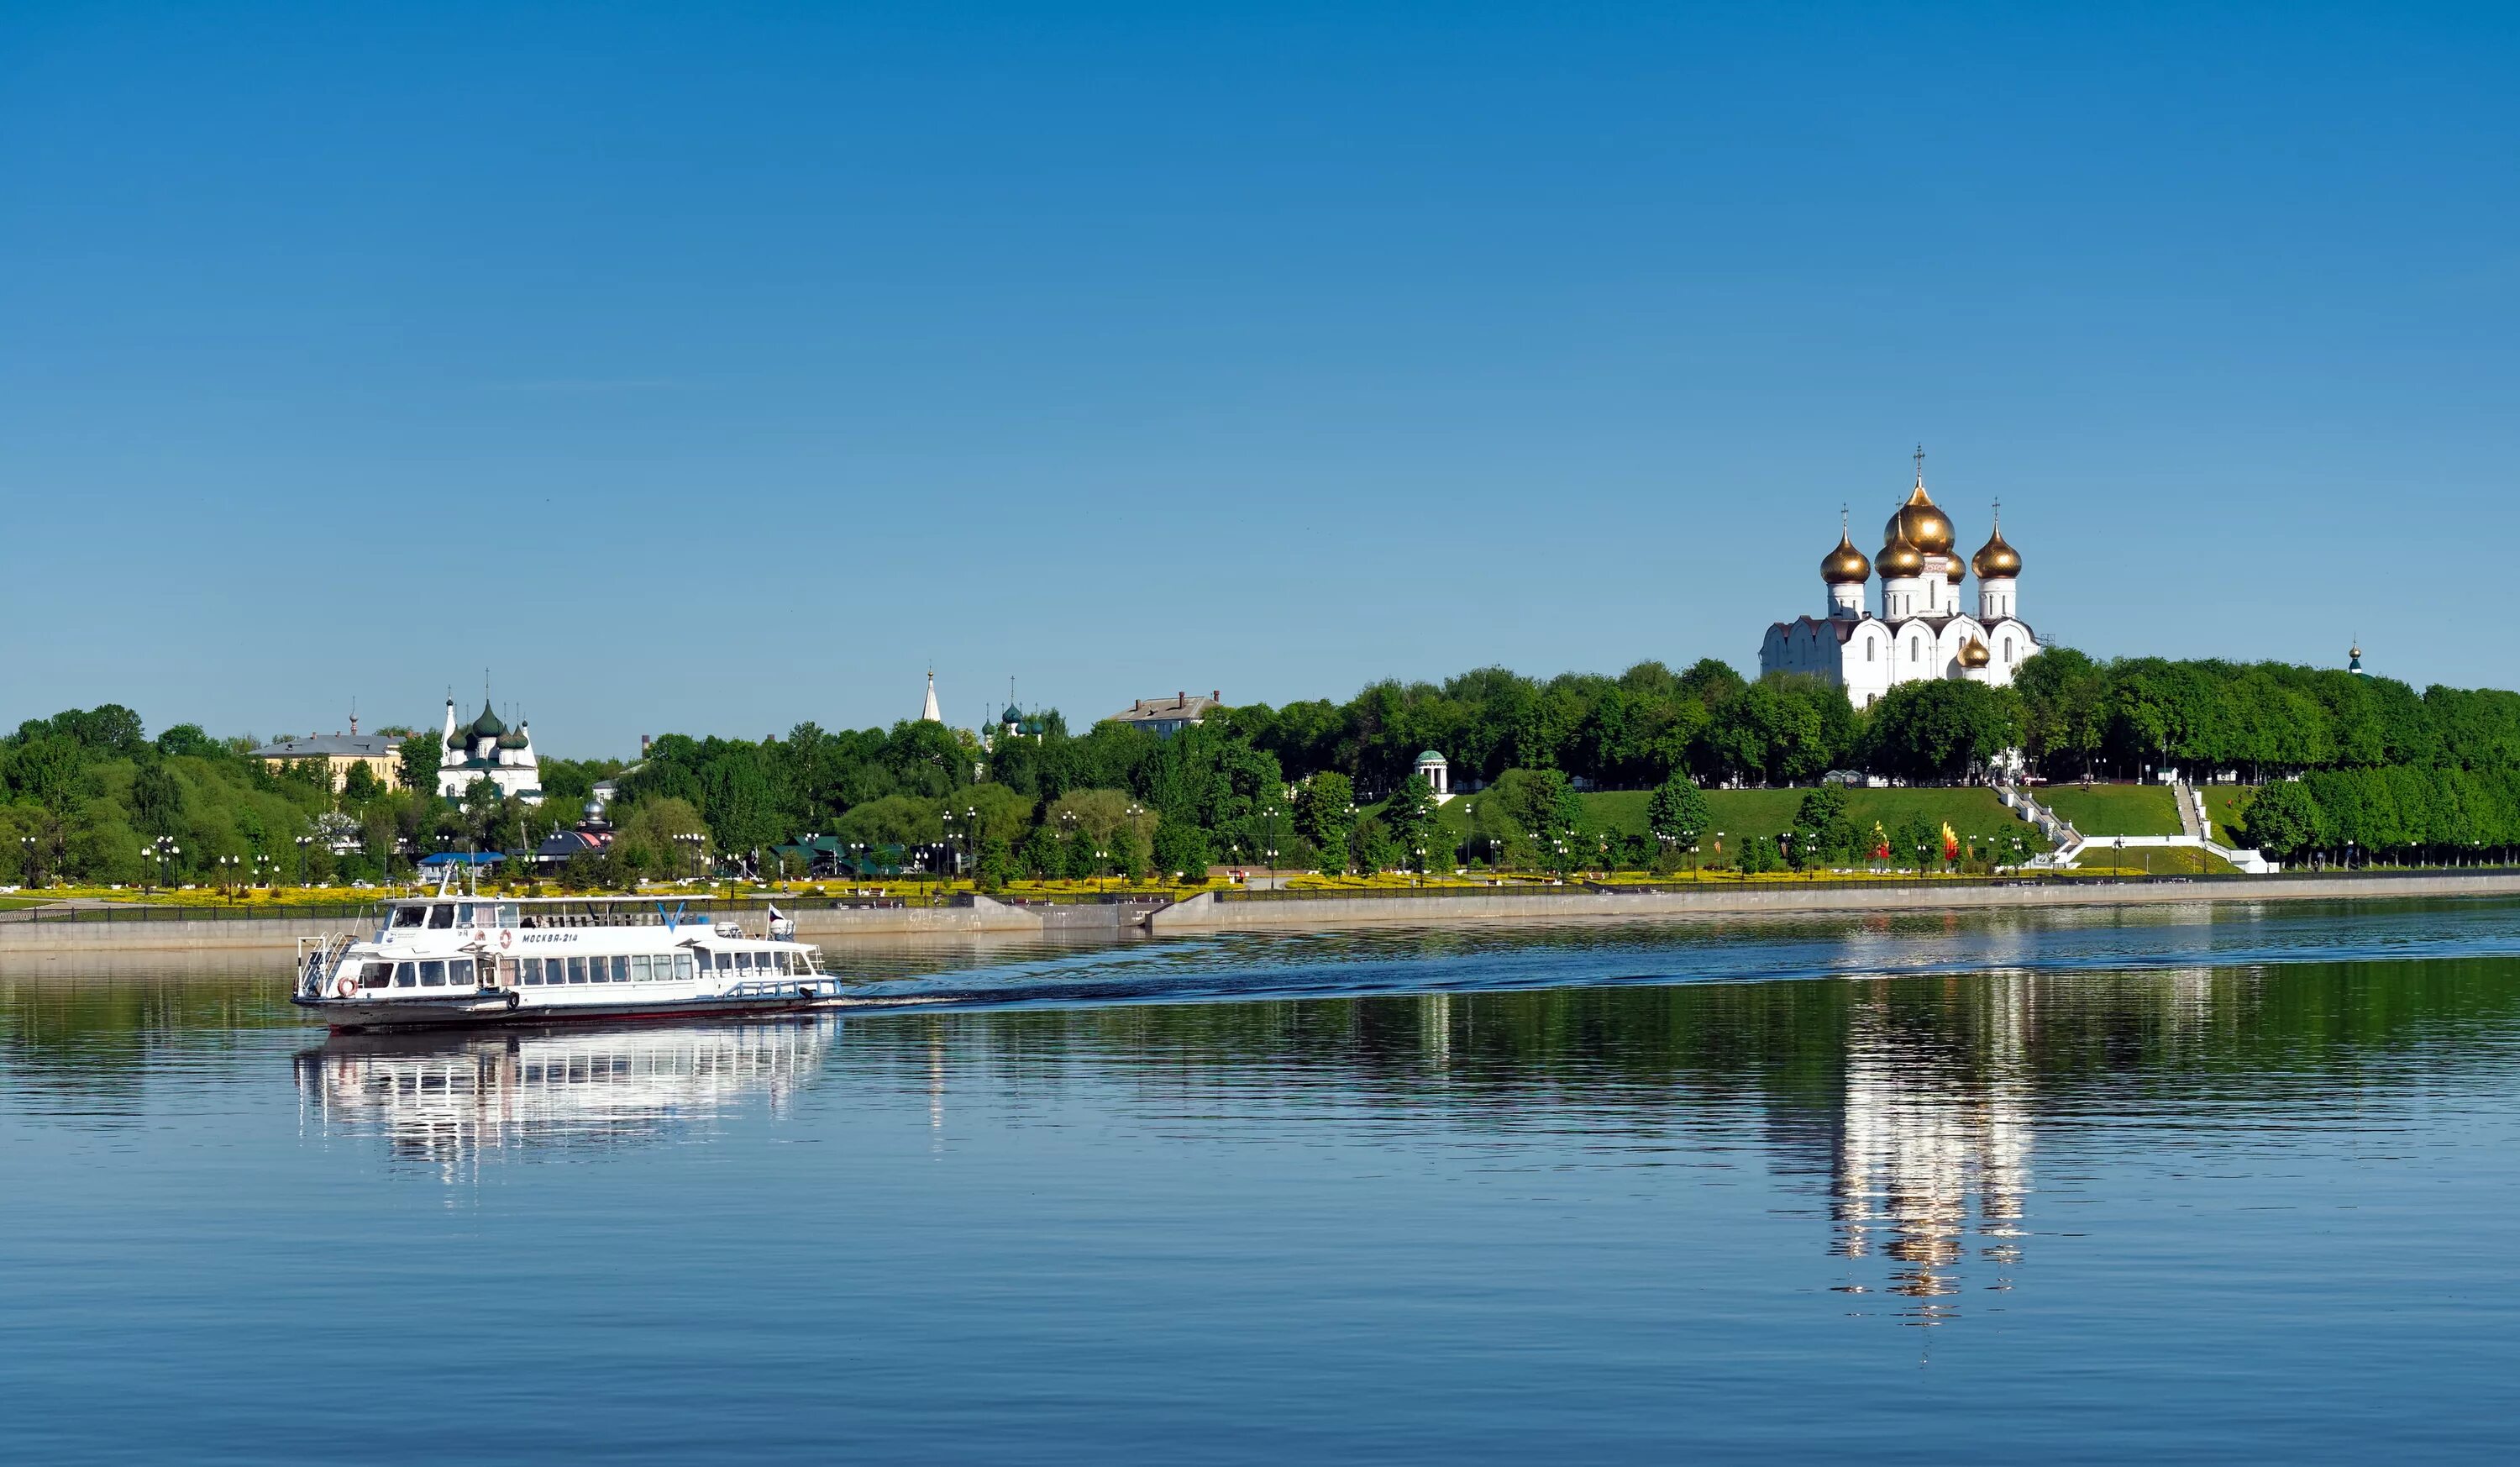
[489, 749]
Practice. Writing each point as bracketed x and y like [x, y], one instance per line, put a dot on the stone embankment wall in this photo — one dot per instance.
[280, 934]
[1205, 913]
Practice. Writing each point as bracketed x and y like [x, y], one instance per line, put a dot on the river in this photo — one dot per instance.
[2180, 1183]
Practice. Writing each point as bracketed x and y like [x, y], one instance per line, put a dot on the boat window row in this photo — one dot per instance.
[447, 915]
[438, 972]
[779, 960]
[619, 968]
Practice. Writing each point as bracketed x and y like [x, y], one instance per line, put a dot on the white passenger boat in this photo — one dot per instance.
[456, 959]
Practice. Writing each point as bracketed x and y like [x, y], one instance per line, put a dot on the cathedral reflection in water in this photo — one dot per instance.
[1933, 1155]
[449, 1099]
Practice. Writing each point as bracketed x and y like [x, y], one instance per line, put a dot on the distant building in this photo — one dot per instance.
[589, 836]
[341, 753]
[930, 712]
[2354, 660]
[489, 749]
[1165, 717]
[1923, 630]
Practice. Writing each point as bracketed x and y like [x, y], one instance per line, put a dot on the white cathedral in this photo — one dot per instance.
[1921, 630]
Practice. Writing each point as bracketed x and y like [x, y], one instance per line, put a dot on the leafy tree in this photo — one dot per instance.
[157, 800]
[1371, 847]
[2281, 820]
[1409, 817]
[1181, 847]
[1677, 814]
[1326, 815]
[1942, 730]
[421, 756]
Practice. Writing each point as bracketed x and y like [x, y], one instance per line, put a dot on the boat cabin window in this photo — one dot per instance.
[376, 974]
[743, 962]
[432, 974]
[459, 971]
[410, 916]
[508, 913]
[406, 975]
[441, 916]
[726, 962]
[683, 966]
[531, 973]
[464, 914]
[578, 970]
[620, 968]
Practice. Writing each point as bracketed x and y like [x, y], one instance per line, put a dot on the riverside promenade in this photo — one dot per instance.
[1455, 905]
[34, 935]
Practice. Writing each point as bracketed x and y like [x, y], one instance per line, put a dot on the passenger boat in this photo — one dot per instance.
[453, 959]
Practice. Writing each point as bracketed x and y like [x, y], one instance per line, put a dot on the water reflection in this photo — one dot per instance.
[1933, 1153]
[449, 1099]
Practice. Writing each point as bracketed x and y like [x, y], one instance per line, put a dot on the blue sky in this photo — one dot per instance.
[713, 368]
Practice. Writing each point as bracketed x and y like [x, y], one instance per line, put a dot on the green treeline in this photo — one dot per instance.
[88, 796]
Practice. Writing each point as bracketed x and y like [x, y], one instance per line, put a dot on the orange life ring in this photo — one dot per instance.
[505, 937]
[344, 985]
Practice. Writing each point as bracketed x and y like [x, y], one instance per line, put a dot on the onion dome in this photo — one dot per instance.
[512, 741]
[1973, 654]
[1995, 558]
[487, 726]
[1921, 521]
[1899, 558]
[1954, 567]
[1846, 565]
[1012, 716]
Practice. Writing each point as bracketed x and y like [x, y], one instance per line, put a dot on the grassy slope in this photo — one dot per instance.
[2224, 805]
[1970, 813]
[2115, 809]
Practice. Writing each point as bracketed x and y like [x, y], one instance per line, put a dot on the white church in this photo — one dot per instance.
[488, 750]
[1922, 627]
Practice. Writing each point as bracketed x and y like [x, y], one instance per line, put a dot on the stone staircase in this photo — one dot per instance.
[2194, 825]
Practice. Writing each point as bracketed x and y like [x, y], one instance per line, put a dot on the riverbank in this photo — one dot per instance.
[1280, 911]
[971, 916]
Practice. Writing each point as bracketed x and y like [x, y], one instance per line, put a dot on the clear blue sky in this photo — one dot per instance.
[711, 368]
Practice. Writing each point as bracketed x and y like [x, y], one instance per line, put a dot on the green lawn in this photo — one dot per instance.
[2224, 805]
[2115, 809]
[2098, 859]
[14, 904]
[1971, 812]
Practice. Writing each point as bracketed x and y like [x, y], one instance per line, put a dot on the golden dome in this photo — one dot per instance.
[1973, 654]
[1994, 557]
[1922, 522]
[1846, 565]
[1899, 559]
[1954, 568]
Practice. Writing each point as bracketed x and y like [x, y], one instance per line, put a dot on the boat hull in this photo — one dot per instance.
[360, 1016]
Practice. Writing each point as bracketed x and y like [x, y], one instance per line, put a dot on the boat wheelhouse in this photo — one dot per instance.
[460, 959]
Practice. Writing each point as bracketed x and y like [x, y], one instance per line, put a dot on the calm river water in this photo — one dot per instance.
[2178, 1184]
